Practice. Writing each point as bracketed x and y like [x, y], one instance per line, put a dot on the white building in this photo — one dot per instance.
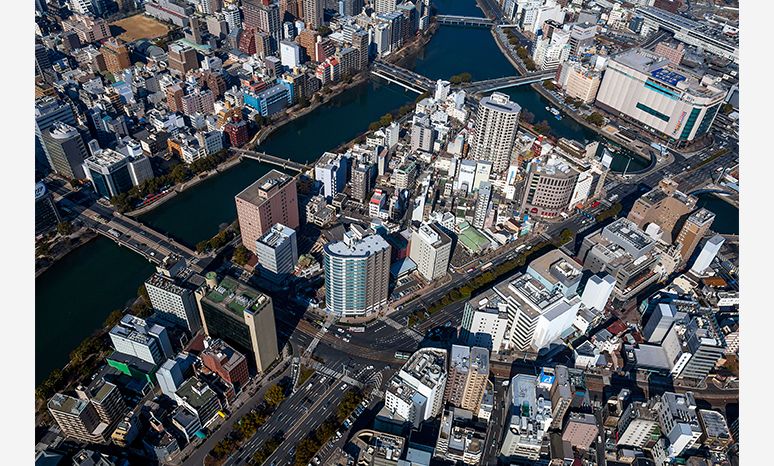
[415, 393]
[485, 322]
[677, 417]
[430, 249]
[597, 292]
[290, 54]
[466, 176]
[647, 88]
[707, 255]
[529, 418]
[277, 253]
[495, 130]
[173, 302]
[134, 337]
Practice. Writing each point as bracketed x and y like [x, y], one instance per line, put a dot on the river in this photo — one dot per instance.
[74, 296]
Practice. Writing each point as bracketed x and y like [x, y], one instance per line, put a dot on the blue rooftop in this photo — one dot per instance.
[668, 76]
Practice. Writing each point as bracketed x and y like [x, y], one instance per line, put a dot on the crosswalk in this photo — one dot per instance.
[413, 334]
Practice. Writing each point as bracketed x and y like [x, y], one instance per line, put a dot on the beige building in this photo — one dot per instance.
[581, 430]
[583, 83]
[270, 200]
[241, 316]
[664, 206]
[430, 249]
[693, 230]
[673, 51]
[549, 188]
[468, 377]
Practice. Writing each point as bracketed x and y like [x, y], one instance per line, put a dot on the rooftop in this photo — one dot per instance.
[264, 187]
[276, 235]
[195, 392]
[106, 158]
[464, 358]
[557, 267]
[358, 248]
[237, 297]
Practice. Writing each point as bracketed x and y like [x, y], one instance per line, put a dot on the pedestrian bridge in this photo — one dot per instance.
[490, 85]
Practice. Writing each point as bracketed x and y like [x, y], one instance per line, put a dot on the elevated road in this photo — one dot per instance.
[410, 80]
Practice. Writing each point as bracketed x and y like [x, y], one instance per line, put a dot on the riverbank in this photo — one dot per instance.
[74, 243]
[641, 151]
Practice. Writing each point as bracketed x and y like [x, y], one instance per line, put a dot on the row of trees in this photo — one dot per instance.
[461, 78]
[596, 118]
[217, 241]
[310, 445]
[249, 424]
[180, 173]
[611, 211]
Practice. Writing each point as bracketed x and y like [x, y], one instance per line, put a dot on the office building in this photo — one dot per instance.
[677, 417]
[582, 83]
[135, 337]
[362, 181]
[422, 136]
[78, 419]
[597, 291]
[126, 431]
[625, 252]
[663, 206]
[264, 17]
[277, 253]
[707, 255]
[672, 51]
[174, 302]
[171, 374]
[580, 431]
[695, 227]
[290, 53]
[331, 170]
[378, 448]
[108, 172]
[270, 200]
[483, 201]
[182, 58]
[230, 365]
[49, 110]
[467, 378]
[116, 55]
[107, 401]
[312, 11]
[198, 398]
[528, 418]
[186, 422]
[715, 432]
[582, 37]
[176, 12]
[415, 393]
[357, 272]
[646, 88]
[548, 188]
[46, 214]
[556, 271]
[495, 131]
[241, 316]
[485, 322]
[42, 60]
[460, 438]
[430, 249]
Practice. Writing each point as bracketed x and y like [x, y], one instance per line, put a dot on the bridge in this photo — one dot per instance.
[401, 76]
[490, 85]
[454, 20]
[286, 164]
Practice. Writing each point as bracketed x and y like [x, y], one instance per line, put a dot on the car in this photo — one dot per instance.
[344, 386]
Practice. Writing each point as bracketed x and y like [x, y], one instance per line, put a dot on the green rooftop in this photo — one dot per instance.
[234, 296]
[472, 239]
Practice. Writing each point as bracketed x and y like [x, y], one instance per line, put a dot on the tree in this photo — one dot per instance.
[324, 30]
[113, 318]
[274, 396]
[241, 255]
[180, 173]
[527, 116]
[42, 249]
[726, 108]
[548, 84]
[542, 128]
[461, 78]
[596, 118]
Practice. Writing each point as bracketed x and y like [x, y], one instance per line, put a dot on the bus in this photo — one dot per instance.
[402, 355]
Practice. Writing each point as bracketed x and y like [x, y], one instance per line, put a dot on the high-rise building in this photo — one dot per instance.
[385, 6]
[664, 206]
[362, 181]
[66, 150]
[548, 188]
[135, 337]
[496, 124]
[415, 393]
[270, 200]
[695, 227]
[529, 417]
[107, 401]
[677, 417]
[467, 378]
[581, 430]
[277, 253]
[357, 272]
[430, 249]
[77, 418]
[46, 213]
[240, 315]
[312, 13]
[116, 55]
[174, 302]
[200, 399]
[264, 17]
[47, 111]
[290, 53]
[645, 87]
[108, 171]
[597, 292]
[228, 363]
[485, 321]
[483, 199]
[182, 58]
[331, 170]
[42, 60]
[707, 255]
[460, 437]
